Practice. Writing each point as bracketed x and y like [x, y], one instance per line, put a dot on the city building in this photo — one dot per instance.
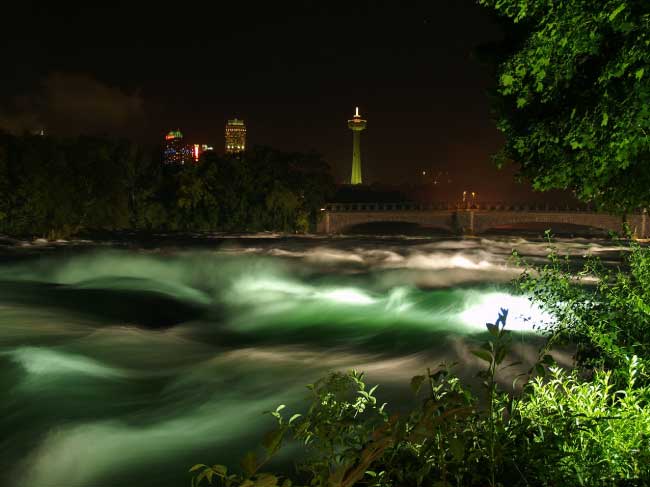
[357, 125]
[174, 150]
[235, 136]
[198, 149]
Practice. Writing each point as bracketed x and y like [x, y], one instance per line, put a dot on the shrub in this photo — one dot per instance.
[608, 319]
[576, 432]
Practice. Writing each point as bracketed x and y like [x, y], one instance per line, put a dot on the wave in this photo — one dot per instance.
[97, 395]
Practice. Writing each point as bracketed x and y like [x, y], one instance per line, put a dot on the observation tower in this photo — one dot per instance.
[357, 124]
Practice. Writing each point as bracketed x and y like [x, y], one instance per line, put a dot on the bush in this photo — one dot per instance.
[608, 319]
[576, 432]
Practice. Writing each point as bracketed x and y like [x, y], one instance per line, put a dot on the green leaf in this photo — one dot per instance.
[500, 355]
[616, 12]
[272, 440]
[201, 476]
[249, 463]
[198, 466]
[416, 383]
[483, 355]
[639, 73]
[521, 102]
[605, 120]
[221, 470]
[492, 328]
[507, 80]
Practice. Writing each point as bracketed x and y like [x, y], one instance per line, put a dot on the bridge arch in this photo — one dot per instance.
[382, 227]
[488, 220]
[342, 222]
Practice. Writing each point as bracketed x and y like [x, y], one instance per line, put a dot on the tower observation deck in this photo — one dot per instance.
[357, 124]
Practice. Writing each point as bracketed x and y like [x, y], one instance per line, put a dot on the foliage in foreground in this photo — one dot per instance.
[605, 312]
[573, 96]
[562, 430]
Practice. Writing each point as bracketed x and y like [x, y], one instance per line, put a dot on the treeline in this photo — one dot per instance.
[58, 187]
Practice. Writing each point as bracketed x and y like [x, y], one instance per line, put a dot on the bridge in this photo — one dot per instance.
[477, 219]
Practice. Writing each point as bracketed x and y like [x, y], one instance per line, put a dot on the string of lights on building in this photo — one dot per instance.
[235, 136]
[175, 151]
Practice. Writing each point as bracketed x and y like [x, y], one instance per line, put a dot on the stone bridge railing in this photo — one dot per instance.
[463, 218]
[489, 206]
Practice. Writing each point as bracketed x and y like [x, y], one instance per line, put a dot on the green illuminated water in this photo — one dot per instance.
[125, 367]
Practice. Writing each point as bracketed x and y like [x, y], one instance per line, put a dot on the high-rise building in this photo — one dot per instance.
[357, 125]
[235, 136]
[175, 152]
[198, 149]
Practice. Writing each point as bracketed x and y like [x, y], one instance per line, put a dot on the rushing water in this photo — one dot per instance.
[125, 364]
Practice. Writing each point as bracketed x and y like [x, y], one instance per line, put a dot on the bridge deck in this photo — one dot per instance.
[339, 217]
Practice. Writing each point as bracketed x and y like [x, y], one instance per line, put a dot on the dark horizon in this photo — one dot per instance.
[293, 72]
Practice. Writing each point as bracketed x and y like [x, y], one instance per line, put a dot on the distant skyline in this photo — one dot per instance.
[293, 70]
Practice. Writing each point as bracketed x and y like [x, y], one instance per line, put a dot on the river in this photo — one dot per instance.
[124, 363]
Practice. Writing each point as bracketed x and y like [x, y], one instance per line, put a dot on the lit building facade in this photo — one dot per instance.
[235, 136]
[198, 149]
[174, 151]
[357, 125]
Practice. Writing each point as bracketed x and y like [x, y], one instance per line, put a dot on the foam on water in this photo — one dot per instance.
[523, 315]
[93, 398]
[45, 362]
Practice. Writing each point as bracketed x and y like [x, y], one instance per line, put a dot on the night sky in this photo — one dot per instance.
[294, 71]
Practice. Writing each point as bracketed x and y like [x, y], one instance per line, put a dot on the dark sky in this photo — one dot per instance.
[293, 70]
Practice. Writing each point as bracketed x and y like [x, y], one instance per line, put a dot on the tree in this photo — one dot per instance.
[573, 97]
[5, 184]
[57, 187]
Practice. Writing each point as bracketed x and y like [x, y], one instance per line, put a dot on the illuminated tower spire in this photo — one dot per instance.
[357, 124]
